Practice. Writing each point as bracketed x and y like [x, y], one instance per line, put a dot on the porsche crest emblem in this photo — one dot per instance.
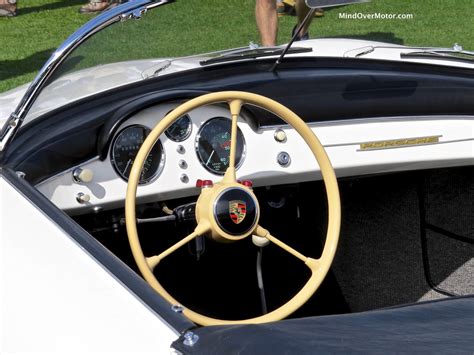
[237, 211]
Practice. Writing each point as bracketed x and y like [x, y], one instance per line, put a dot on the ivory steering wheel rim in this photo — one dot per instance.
[208, 222]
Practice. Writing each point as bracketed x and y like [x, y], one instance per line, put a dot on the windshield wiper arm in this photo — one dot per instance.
[252, 53]
[442, 54]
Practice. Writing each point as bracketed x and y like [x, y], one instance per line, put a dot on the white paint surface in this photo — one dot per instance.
[56, 299]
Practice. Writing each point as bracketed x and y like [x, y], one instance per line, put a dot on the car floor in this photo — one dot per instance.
[388, 255]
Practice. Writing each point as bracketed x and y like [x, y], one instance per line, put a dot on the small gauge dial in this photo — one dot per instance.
[125, 148]
[213, 145]
[180, 129]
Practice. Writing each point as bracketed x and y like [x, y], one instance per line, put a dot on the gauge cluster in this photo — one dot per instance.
[211, 141]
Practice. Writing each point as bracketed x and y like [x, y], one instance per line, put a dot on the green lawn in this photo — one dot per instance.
[194, 26]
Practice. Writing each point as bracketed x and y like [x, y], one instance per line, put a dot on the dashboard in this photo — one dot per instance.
[196, 147]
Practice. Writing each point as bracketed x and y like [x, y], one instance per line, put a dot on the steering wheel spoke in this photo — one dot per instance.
[263, 233]
[234, 106]
[153, 261]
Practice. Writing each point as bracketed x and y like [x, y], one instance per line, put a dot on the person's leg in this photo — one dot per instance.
[8, 8]
[94, 6]
[267, 21]
[301, 11]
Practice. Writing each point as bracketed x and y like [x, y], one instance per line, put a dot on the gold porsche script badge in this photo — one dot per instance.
[237, 211]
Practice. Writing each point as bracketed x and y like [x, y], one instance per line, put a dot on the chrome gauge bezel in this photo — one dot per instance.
[196, 146]
[188, 130]
[161, 163]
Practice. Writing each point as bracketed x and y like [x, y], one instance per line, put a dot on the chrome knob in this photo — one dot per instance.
[82, 197]
[280, 136]
[82, 175]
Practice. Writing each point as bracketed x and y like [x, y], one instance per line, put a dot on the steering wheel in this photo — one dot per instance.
[216, 204]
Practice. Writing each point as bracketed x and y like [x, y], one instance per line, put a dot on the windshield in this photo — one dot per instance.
[170, 38]
[134, 50]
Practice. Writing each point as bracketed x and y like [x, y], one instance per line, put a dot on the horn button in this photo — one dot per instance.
[235, 211]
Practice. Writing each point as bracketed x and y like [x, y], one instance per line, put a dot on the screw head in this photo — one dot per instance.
[177, 308]
[190, 338]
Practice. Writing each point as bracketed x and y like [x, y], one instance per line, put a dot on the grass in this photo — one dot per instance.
[195, 26]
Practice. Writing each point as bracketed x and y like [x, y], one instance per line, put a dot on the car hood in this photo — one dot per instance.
[83, 83]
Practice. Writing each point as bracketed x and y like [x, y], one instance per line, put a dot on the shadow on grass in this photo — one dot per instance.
[13, 68]
[51, 6]
[388, 37]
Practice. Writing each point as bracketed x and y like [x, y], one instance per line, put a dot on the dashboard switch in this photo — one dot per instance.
[82, 175]
[283, 159]
[280, 136]
[182, 164]
[82, 197]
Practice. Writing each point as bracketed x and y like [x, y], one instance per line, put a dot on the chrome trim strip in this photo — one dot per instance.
[364, 120]
[129, 10]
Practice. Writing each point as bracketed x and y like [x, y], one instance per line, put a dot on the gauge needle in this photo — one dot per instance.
[210, 156]
[128, 165]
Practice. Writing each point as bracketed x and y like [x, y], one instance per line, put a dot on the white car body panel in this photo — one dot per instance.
[87, 311]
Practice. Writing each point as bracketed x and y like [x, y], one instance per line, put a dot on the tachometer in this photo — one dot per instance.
[180, 130]
[125, 148]
[213, 145]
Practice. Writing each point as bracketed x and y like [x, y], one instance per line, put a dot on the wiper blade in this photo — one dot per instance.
[252, 53]
[444, 54]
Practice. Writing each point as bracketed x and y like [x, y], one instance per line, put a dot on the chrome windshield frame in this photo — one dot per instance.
[133, 9]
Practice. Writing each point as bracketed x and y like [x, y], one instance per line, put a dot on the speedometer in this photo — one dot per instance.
[213, 145]
[125, 148]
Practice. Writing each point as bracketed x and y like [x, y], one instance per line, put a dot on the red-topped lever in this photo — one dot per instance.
[247, 183]
[204, 183]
